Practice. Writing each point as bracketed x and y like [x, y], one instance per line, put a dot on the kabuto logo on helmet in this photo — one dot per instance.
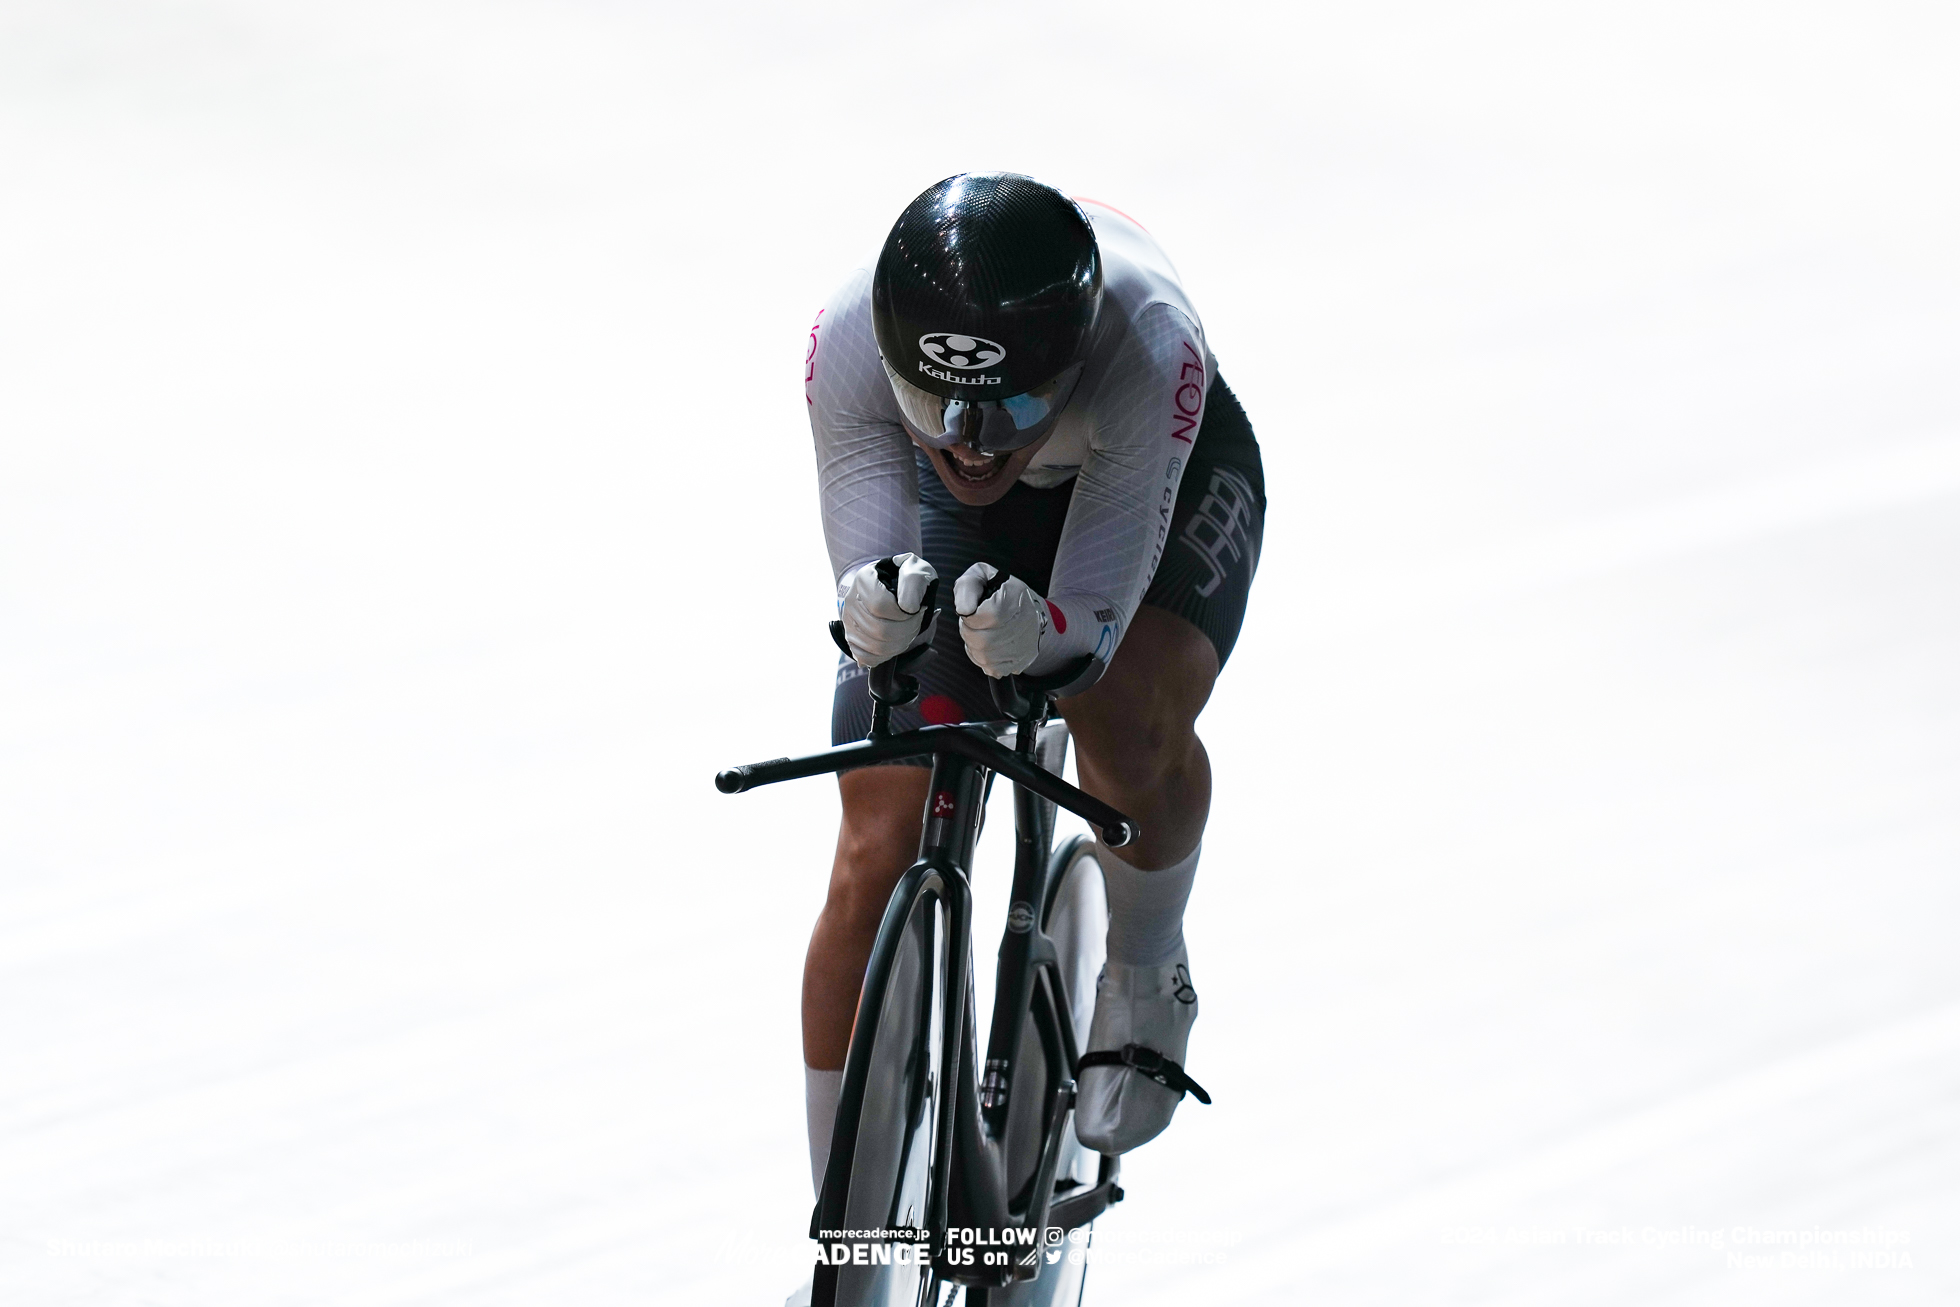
[978, 259]
[967, 353]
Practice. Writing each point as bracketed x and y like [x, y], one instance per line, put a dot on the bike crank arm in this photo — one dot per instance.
[1044, 1174]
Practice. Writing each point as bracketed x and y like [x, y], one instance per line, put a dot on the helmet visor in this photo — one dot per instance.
[997, 426]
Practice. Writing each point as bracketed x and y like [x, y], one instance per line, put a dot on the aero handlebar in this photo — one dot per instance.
[974, 743]
[1023, 699]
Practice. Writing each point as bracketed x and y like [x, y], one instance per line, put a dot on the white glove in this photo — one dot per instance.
[1002, 631]
[881, 620]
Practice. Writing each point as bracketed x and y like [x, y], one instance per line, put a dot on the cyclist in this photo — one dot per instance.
[1016, 399]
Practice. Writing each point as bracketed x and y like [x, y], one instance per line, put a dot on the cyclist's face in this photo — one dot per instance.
[979, 479]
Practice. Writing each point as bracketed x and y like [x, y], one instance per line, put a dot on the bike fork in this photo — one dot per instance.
[951, 831]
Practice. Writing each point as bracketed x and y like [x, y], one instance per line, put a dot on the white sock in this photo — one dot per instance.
[1146, 908]
[820, 1092]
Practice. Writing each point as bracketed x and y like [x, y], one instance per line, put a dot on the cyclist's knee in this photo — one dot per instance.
[1137, 725]
[1138, 757]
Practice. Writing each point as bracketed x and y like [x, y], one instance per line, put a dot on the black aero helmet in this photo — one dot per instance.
[986, 291]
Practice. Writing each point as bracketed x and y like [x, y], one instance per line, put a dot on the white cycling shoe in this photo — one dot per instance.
[1131, 1079]
[801, 1298]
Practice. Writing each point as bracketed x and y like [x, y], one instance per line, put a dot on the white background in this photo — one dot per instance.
[406, 505]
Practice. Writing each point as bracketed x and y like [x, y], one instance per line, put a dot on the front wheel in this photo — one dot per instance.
[880, 1173]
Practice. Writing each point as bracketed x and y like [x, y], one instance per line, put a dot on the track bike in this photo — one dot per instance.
[947, 1173]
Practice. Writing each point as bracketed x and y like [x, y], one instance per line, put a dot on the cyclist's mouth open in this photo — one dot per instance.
[971, 467]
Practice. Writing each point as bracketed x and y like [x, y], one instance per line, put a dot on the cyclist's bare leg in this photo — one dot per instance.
[1137, 745]
[877, 841]
[1137, 748]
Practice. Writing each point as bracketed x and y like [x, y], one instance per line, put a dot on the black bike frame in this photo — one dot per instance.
[971, 1110]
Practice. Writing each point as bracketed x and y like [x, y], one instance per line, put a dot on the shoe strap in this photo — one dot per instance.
[1150, 1064]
